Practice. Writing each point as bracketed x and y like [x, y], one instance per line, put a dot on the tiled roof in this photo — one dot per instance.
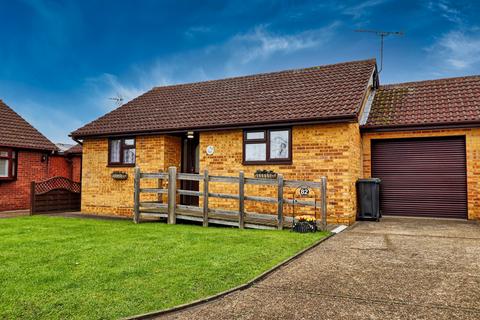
[424, 103]
[75, 149]
[318, 93]
[18, 133]
[62, 147]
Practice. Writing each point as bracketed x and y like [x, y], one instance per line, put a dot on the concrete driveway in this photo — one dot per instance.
[396, 269]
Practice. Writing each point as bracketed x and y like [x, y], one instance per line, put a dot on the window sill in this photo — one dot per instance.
[120, 165]
[6, 179]
[267, 163]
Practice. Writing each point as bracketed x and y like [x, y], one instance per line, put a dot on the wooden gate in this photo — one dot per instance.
[54, 195]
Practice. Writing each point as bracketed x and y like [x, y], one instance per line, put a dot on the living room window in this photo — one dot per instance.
[267, 146]
[8, 164]
[121, 152]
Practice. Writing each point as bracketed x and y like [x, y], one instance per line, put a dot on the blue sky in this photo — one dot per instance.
[61, 61]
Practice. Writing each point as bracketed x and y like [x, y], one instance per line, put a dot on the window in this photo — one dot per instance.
[8, 164]
[121, 152]
[267, 146]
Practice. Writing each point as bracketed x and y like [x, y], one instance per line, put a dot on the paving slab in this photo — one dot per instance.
[396, 269]
[13, 214]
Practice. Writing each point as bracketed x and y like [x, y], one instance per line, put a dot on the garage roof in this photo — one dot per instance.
[16, 132]
[426, 103]
[312, 94]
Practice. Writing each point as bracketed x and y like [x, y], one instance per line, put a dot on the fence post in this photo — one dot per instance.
[324, 203]
[205, 198]
[136, 196]
[241, 200]
[280, 201]
[172, 194]
[160, 186]
[32, 197]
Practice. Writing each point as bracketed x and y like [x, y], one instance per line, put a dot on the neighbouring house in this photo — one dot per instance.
[422, 139]
[73, 156]
[67, 162]
[25, 156]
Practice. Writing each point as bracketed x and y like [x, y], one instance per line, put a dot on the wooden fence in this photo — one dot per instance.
[57, 194]
[239, 218]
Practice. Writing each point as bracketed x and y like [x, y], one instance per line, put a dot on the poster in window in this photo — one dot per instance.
[129, 156]
[255, 152]
[279, 144]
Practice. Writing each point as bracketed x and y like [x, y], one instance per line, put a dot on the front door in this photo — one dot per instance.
[190, 164]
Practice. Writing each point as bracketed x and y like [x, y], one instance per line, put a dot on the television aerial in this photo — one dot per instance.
[118, 100]
[382, 35]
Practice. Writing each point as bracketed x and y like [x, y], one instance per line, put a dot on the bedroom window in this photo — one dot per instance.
[121, 152]
[267, 146]
[8, 164]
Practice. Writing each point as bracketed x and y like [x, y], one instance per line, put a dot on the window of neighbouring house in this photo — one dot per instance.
[8, 164]
[267, 146]
[122, 152]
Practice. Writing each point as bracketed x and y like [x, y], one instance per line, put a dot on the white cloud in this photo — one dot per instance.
[107, 87]
[361, 9]
[459, 49]
[447, 11]
[104, 89]
[53, 122]
[258, 46]
[261, 44]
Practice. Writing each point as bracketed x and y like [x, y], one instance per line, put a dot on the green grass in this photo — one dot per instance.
[58, 268]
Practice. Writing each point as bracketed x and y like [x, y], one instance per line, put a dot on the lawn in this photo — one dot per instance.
[58, 268]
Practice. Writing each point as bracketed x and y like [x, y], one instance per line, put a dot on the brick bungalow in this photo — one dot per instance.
[25, 156]
[304, 124]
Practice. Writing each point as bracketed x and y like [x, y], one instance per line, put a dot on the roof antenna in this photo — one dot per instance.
[382, 35]
[118, 99]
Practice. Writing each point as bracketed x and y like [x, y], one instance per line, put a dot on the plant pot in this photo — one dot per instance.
[266, 175]
[304, 227]
[119, 175]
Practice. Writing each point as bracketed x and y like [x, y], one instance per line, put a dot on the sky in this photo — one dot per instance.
[62, 62]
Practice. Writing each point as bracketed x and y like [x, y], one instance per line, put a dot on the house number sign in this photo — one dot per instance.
[304, 191]
[210, 150]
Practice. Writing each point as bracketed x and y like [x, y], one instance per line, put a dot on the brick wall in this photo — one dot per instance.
[103, 195]
[15, 195]
[60, 166]
[76, 168]
[330, 150]
[318, 150]
[472, 139]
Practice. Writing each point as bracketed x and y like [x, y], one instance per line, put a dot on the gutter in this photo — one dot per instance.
[76, 140]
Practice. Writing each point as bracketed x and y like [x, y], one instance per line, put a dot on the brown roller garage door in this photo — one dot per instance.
[421, 177]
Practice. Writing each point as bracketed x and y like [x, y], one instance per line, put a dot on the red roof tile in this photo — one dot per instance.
[17, 133]
[313, 94]
[75, 149]
[426, 103]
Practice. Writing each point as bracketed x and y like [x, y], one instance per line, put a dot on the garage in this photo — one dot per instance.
[423, 177]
